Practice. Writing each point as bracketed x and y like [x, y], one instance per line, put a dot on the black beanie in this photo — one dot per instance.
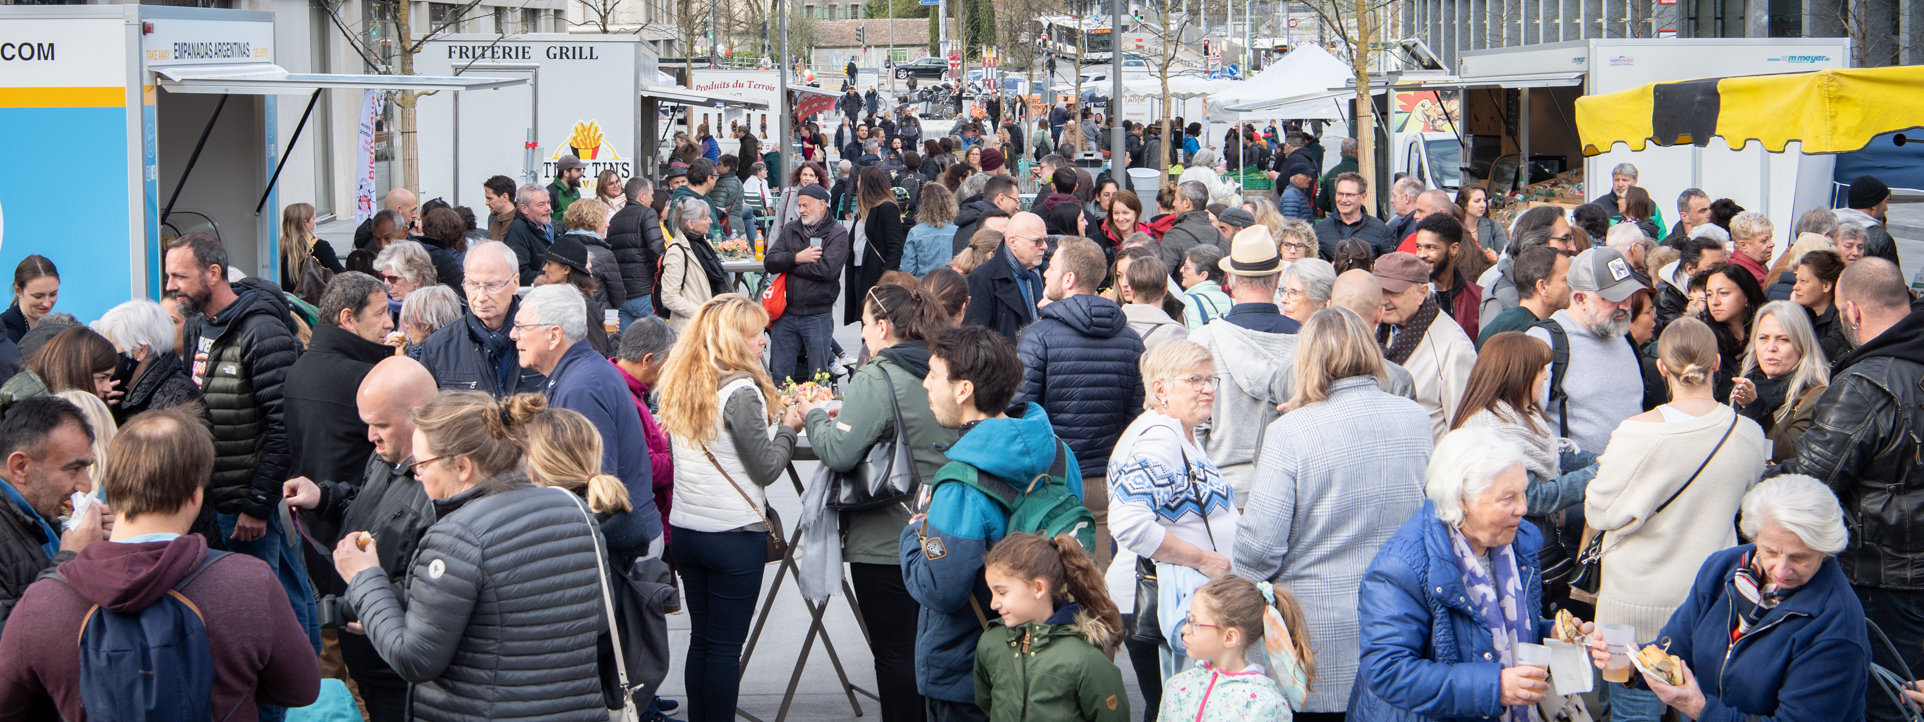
[1868, 191]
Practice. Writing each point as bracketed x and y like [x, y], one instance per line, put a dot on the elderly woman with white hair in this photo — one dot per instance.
[1305, 287]
[405, 266]
[1202, 169]
[1773, 624]
[423, 312]
[1449, 599]
[691, 271]
[145, 335]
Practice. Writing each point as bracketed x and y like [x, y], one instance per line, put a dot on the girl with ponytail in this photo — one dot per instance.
[564, 451]
[1666, 489]
[1050, 656]
[896, 321]
[1228, 617]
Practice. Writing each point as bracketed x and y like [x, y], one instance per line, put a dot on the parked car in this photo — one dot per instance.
[929, 67]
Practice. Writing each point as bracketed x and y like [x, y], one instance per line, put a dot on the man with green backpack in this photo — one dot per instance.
[1005, 474]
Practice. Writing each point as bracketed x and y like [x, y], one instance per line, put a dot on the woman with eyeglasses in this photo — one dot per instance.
[1335, 478]
[1170, 509]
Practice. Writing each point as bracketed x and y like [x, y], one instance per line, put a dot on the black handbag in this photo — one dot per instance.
[1589, 576]
[888, 474]
[1148, 630]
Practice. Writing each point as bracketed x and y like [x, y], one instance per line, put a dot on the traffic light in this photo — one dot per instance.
[861, 35]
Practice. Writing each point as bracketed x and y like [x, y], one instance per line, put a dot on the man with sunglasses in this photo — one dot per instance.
[475, 352]
[1005, 290]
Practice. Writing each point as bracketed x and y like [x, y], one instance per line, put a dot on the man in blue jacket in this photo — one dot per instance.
[972, 376]
[550, 337]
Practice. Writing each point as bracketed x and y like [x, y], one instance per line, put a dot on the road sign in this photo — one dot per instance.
[931, 2]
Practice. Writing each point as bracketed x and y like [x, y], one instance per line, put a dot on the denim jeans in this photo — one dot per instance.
[1632, 705]
[635, 309]
[721, 577]
[290, 569]
[748, 224]
[791, 335]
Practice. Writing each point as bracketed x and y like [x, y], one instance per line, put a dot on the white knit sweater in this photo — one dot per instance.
[1650, 563]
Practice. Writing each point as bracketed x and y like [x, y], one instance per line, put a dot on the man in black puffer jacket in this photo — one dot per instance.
[1079, 361]
[1863, 443]
[243, 342]
[635, 236]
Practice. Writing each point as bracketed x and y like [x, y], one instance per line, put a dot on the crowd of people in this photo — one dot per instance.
[1298, 461]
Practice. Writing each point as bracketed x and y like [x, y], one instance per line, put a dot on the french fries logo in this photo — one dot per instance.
[586, 140]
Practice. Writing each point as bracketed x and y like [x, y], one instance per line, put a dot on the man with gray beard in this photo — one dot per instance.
[1599, 386]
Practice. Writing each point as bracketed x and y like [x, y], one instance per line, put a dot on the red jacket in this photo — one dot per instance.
[661, 459]
[1465, 306]
[1757, 271]
[261, 655]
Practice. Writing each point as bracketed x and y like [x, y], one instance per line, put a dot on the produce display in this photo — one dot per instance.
[1564, 189]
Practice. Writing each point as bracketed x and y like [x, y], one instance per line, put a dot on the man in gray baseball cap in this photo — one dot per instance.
[1602, 384]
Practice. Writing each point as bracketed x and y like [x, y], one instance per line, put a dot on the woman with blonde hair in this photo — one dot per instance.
[564, 451]
[608, 191]
[1335, 478]
[1666, 489]
[298, 245]
[717, 404]
[982, 246]
[1785, 371]
[1266, 215]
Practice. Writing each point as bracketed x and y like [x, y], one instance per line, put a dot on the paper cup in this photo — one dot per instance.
[1533, 655]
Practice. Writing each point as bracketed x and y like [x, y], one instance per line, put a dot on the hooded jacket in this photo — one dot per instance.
[1187, 231]
[1257, 372]
[1427, 652]
[1153, 325]
[1050, 671]
[1863, 443]
[844, 441]
[634, 233]
[1079, 361]
[945, 572]
[1807, 658]
[241, 360]
[501, 609]
[584, 382]
[661, 458]
[529, 240]
[260, 653]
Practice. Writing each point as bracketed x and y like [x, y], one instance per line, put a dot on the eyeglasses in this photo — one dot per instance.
[486, 287]
[1291, 294]
[423, 463]
[1189, 621]
[1198, 382]
[391, 278]
[1340, 194]
[519, 326]
[1038, 240]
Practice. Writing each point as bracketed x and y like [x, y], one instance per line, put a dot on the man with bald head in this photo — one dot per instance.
[1427, 203]
[1357, 290]
[1862, 441]
[1005, 290]
[475, 353]
[385, 501]
[399, 200]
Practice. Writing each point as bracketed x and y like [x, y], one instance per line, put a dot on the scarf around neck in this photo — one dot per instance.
[1542, 449]
[1404, 343]
[1755, 595]
[1500, 600]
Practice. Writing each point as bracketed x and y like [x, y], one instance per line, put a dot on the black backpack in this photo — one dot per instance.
[1559, 363]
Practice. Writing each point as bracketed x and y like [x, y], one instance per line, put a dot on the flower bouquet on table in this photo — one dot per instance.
[735, 249]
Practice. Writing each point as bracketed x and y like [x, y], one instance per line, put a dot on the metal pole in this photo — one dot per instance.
[269, 190]
[782, 106]
[1117, 168]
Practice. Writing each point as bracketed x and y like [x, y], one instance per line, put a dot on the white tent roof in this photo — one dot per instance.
[1307, 70]
[1180, 86]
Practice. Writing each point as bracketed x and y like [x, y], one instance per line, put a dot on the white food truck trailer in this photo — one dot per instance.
[169, 118]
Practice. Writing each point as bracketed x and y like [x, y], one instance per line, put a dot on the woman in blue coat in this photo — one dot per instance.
[1800, 649]
[1448, 599]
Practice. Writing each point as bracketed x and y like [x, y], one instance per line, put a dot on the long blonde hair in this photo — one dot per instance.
[714, 346]
[564, 451]
[296, 241]
[1813, 370]
[1334, 345]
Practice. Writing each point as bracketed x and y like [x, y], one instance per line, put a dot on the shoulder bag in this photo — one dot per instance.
[777, 543]
[1589, 577]
[1147, 587]
[626, 701]
[887, 475]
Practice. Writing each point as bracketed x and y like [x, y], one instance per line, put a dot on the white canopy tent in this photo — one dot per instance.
[1296, 87]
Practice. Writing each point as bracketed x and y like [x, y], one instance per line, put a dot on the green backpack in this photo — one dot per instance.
[1043, 505]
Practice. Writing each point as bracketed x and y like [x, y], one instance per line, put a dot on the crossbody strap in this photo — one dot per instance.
[607, 595]
[752, 506]
[1686, 484]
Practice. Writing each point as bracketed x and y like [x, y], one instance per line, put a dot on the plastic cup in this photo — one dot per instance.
[1533, 655]
[1620, 639]
[611, 321]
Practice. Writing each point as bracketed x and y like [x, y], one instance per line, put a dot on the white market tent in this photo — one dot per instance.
[1306, 84]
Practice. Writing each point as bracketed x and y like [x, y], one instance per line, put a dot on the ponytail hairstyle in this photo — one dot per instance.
[1688, 350]
[1239, 604]
[910, 313]
[564, 451]
[948, 291]
[1067, 569]
[473, 425]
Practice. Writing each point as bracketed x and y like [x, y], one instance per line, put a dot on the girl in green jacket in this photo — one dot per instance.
[1050, 656]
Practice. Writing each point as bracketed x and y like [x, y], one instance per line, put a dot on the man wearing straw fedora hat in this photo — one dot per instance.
[1254, 348]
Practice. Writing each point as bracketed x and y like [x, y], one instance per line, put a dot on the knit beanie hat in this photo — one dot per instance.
[1868, 191]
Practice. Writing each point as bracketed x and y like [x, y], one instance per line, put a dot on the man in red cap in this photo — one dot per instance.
[1417, 334]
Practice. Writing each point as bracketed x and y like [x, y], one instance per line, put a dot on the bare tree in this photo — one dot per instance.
[395, 56]
[1173, 29]
[1355, 24]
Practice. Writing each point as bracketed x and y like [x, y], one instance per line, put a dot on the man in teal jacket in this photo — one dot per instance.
[973, 373]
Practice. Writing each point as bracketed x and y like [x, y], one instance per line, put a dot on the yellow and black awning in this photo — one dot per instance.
[1829, 111]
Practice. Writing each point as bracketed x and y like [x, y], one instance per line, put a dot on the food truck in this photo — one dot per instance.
[130, 125]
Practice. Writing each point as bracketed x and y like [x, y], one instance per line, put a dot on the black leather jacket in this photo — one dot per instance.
[1863, 442]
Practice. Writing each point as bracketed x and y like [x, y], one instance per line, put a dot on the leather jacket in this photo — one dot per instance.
[1863, 442]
